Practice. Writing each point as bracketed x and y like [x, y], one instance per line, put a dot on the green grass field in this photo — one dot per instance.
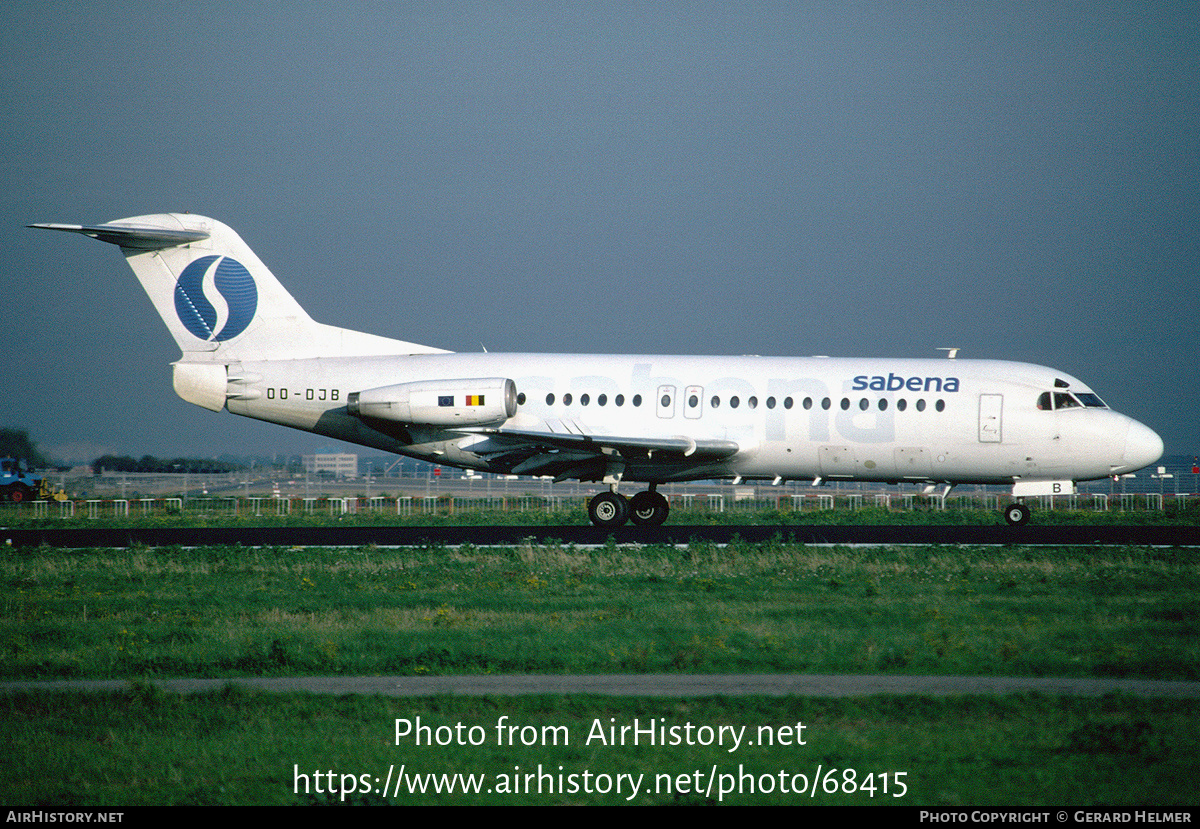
[145, 747]
[761, 608]
[229, 611]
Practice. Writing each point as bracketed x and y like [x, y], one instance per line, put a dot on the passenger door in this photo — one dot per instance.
[991, 411]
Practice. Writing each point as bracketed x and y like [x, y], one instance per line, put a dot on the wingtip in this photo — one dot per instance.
[53, 226]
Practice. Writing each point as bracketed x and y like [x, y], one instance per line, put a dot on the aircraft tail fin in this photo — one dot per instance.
[217, 298]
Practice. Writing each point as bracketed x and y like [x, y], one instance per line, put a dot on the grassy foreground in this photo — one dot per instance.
[743, 608]
[229, 611]
[144, 747]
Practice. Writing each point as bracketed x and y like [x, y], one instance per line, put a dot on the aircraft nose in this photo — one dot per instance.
[1143, 446]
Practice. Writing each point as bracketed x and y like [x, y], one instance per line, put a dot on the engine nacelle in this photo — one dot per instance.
[465, 402]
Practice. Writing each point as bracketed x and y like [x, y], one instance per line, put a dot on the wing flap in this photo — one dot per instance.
[702, 449]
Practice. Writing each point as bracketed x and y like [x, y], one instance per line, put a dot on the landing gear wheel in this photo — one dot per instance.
[608, 509]
[1016, 515]
[649, 509]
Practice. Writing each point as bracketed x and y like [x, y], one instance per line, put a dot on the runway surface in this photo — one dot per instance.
[653, 685]
[353, 536]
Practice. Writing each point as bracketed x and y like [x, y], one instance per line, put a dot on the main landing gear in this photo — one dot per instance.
[611, 509]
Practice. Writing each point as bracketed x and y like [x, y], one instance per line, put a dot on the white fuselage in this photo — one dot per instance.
[953, 421]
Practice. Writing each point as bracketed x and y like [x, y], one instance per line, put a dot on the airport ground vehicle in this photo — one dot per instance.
[18, 484]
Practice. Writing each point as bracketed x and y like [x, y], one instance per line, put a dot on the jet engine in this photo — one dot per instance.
[447, 403]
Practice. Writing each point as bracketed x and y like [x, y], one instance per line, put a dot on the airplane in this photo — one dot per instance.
[248, 347]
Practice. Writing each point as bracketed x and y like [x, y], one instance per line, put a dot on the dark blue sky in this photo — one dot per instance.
[1018, 180]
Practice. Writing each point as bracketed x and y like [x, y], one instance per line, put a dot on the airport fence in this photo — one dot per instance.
[739, 500]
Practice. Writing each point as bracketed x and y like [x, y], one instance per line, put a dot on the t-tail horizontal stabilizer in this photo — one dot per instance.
[137, 238]
[217, 298]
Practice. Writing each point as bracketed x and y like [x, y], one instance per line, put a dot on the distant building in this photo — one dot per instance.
[342, 465]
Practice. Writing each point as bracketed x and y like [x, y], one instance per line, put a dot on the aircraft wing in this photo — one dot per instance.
[568, 455]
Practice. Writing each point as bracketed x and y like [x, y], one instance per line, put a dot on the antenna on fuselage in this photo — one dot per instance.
[951, 353]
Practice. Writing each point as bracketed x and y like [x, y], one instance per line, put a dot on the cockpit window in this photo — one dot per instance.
[1090, 400]
[1048, 401]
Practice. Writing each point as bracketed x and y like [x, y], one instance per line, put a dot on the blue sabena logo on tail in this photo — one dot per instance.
[206, 318]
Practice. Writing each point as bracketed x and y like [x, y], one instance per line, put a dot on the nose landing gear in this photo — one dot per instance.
[1016, 515]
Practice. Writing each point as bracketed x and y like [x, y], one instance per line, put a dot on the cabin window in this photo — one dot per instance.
[826, 403]
[845, 404]
[921, 405]
[883, 404]
[637, 400]
[752, 402]
[901, 404]
[567, 399]
[770, 402]
[864, 404]
[940, 405]
[521, 399]
[715, 402]
[602, 400]
[787, 402]
[619, 400]
[550, 399]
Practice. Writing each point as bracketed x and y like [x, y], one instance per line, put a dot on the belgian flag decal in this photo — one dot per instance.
[474, 399]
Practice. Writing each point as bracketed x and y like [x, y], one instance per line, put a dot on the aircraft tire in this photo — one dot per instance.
[1016, 515]
[608, 509]
[648, 509]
